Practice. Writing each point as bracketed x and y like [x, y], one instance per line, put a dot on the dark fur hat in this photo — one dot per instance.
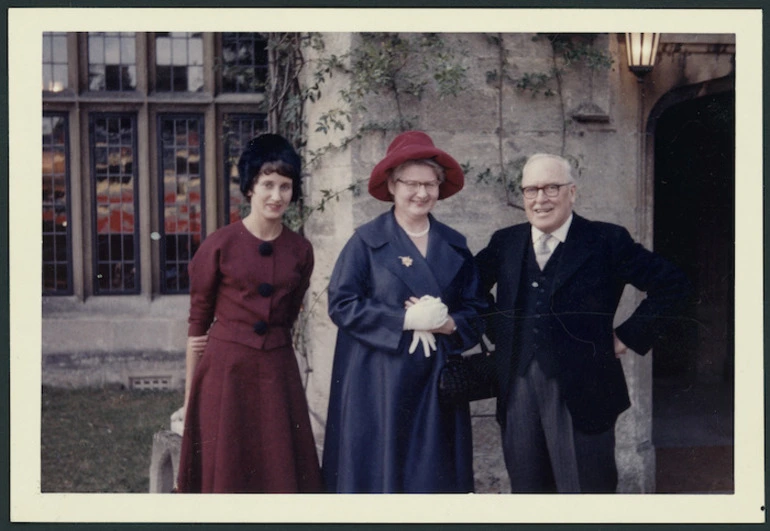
[270, 149]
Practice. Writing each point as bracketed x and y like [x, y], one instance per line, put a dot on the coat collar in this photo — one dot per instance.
[395, 251]
[579, 245]
[380, 230]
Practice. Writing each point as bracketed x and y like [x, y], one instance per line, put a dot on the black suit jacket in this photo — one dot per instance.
[597, 261]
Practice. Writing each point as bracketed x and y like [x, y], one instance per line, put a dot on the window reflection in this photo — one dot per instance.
[182, 201]
[111, 61]
[178, 62]
[55, 207]
[244, 62]
[55, 72]
[162, 50]
[112, 50]
[114, 193]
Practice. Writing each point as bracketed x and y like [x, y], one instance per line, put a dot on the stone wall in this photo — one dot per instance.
[131, 341]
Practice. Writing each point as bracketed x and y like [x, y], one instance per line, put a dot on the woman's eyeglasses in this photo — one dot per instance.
[413, 186]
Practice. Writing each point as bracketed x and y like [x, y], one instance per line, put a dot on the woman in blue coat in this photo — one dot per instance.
[404, 296]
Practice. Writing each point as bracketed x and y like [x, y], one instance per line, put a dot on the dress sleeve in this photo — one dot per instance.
[204, 282]
[353, 308]
[306, 265]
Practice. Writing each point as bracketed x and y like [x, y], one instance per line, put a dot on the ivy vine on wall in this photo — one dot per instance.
[567, 51]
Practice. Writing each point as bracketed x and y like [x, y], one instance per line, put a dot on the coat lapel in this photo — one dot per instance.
[404, 260]
[443, 259]
[578, 247]
[400, 256]
[515, 249]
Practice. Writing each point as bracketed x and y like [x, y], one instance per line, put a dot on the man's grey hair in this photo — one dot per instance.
[561, 160]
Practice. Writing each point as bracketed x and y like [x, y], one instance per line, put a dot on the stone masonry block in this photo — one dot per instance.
[164, 464]
[489, 471]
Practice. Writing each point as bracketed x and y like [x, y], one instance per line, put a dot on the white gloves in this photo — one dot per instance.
[426, 314]
[426, 338]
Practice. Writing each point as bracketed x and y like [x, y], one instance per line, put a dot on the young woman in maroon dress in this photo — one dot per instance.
[247, 427]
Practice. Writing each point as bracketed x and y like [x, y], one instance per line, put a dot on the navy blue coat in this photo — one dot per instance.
[597, 262]
[385, 430]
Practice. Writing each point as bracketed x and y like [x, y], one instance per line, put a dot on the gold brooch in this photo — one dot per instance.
[406, 260]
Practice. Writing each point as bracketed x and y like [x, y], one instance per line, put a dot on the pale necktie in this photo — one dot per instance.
[542, 250]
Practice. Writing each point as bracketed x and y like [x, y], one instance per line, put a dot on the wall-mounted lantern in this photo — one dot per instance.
[641, 49]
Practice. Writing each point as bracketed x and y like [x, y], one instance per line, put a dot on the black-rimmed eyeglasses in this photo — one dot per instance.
[550, 190]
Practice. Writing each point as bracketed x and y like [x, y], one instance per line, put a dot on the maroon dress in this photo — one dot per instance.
[247, 427]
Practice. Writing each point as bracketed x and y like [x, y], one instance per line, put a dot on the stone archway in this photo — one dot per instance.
[693, 132]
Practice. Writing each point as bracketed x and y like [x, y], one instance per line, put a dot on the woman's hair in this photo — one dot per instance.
[270, 153]
[438, 169]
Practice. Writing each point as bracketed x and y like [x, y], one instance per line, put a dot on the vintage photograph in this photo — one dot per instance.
[438, 255]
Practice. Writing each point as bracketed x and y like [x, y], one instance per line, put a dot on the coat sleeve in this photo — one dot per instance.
[487, 261]
[468, 314]
[666, 286]
[353, 308]
[204, 283]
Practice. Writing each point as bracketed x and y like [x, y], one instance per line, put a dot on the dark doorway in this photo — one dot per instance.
[694, 227]
[693, 366]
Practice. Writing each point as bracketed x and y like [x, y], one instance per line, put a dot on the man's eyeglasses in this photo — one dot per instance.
[413, 186]
[550, 190]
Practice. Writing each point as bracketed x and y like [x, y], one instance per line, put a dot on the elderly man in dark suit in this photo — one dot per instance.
[559, 280]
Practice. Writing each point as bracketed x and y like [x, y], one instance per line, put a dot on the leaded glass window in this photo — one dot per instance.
[182, 201]
[179, 62]
[55, 73]
[238, 130]
[112, 61]
[57, 251]
[113, 155]
[244, 62]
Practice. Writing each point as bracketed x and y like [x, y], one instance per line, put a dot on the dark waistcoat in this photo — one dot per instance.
[536, 323]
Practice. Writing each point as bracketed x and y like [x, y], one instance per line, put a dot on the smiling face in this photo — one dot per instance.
[415, 190]
[270, 195]
[548, 213]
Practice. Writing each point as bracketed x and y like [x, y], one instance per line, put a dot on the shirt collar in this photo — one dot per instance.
[559, 234]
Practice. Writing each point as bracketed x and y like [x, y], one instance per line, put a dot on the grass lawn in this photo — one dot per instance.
[100, 439]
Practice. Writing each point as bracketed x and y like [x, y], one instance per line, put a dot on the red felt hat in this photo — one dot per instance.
[413, 145]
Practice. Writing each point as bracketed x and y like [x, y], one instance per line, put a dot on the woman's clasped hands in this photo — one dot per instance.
[422, 316]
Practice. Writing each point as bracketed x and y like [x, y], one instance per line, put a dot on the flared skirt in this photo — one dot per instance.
[247, 427]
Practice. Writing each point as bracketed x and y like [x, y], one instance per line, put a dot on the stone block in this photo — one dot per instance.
[636, 467]
[489, 470]
[164, 464]
[67, 335]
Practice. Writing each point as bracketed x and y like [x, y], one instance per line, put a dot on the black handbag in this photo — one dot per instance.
[464, 379]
